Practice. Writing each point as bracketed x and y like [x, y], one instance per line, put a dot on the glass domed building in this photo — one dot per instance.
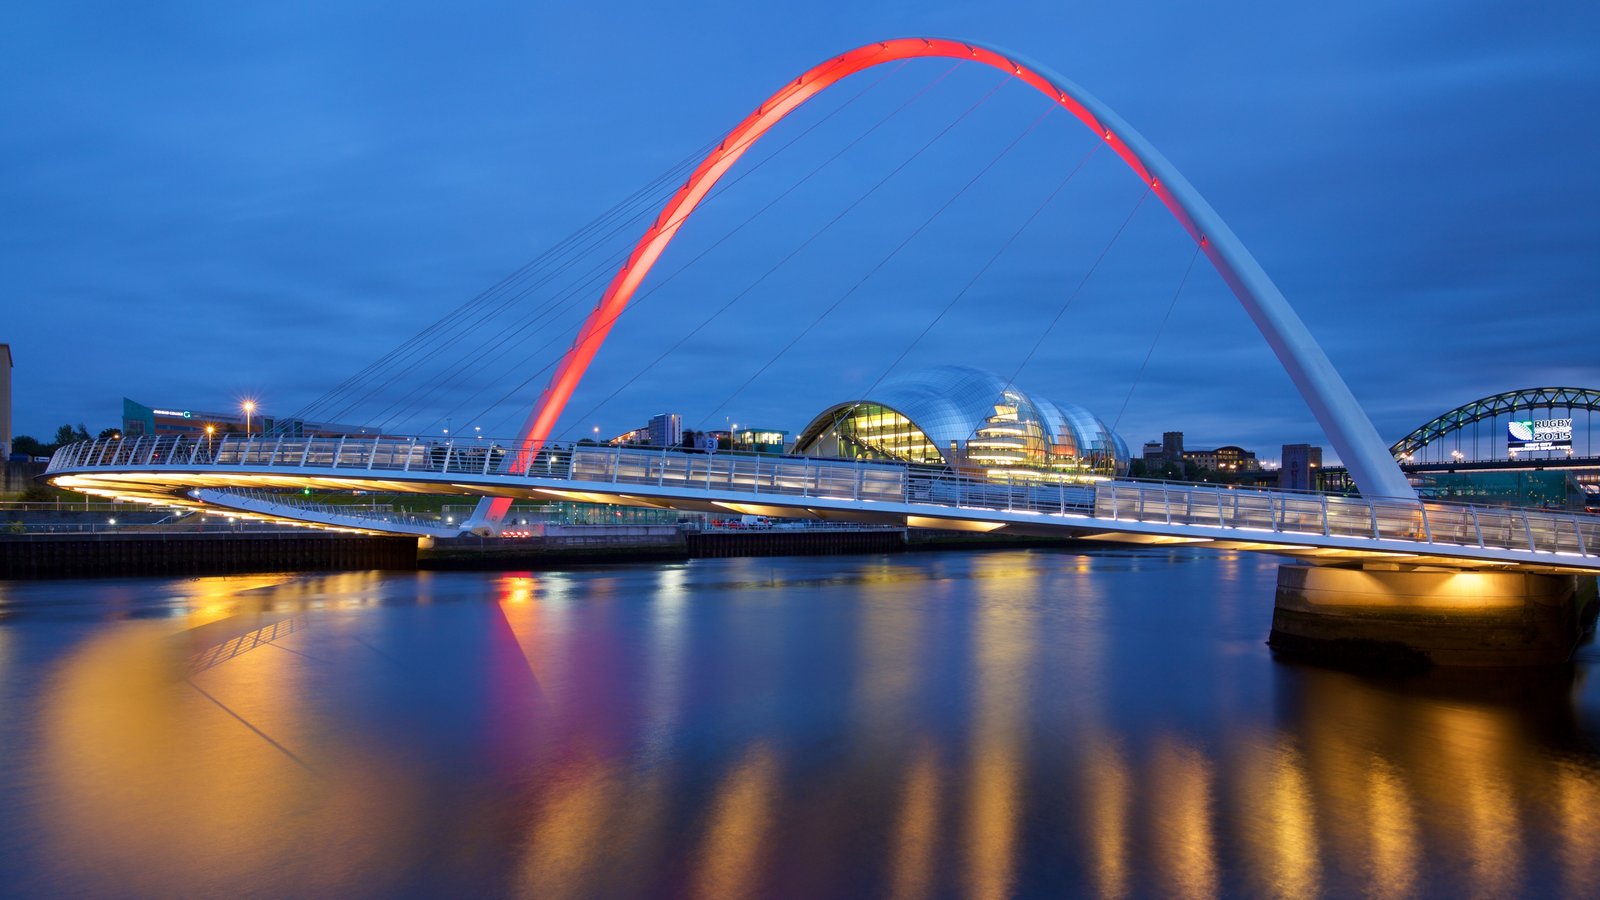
[971, 420]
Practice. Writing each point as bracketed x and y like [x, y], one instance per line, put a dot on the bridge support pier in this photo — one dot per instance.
[1414, 619]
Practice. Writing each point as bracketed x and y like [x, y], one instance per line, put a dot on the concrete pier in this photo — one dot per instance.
[1410, 620]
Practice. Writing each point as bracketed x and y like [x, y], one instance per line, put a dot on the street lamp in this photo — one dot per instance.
[249, 409]
[210, 431]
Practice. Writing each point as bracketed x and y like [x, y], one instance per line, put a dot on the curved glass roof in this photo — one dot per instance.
[953, 406]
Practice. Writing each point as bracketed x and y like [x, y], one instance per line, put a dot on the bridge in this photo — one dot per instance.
[239, 474]
[1414, 449]
[1391, 568]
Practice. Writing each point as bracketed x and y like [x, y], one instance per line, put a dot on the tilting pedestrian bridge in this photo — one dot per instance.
[261, 476]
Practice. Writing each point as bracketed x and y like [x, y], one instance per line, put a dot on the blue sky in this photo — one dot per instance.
[204, 202]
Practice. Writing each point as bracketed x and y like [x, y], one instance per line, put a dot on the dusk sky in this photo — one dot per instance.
[204, 202]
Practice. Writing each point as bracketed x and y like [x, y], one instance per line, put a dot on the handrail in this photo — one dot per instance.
[1437, 523]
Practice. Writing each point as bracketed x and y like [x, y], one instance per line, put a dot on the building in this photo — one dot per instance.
[971, 420]
[1236, 459]
[1301, 468]
[1172, 446]
[1224, 459]
[761, 440]
[139, 419]
[1228, 458]
[665, 430]
[5, 402]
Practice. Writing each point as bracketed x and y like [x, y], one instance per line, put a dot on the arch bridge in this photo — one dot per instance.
[1492, 408]
[241, 475]
[1387, 523]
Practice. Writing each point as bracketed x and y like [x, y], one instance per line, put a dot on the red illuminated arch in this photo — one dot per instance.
[1347, 427]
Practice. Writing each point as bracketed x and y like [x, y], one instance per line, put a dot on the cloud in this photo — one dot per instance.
[207, 201]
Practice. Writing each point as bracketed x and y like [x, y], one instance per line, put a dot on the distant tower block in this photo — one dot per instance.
[1299, 469]
[1172, 446]
[5, 401]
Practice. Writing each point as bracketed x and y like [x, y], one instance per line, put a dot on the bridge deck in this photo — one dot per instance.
[224, 472]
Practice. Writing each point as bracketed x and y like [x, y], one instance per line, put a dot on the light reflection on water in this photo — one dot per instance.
[985, 724]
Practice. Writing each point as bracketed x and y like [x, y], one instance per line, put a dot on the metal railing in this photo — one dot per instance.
[1246, 510]
[292, 502]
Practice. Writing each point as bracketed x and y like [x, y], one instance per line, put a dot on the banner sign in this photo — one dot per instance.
[1539, 434]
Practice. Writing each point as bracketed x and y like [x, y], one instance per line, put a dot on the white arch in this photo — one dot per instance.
[1347, 427]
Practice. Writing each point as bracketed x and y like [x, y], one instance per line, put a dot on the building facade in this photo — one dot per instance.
[139, 420]
[1172, 446]
[1224, 459]
[5, 402]
[1302, 464]
[665, 430]
[970, 420]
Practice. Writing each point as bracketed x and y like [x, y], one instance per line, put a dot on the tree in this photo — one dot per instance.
[65, 435]
[109, 433]
[30, 446]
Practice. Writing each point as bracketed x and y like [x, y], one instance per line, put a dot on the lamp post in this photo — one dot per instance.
[210, 431]
[249, 410]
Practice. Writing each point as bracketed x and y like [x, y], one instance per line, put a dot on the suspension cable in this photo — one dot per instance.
[892, 253]
[506, 340]
[1159, 330]
[995, 257]
[797, 250]
[1011, 382]
[559, 247]
[741, 294]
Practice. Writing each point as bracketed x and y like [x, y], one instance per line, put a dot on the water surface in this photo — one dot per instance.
[1007, 723]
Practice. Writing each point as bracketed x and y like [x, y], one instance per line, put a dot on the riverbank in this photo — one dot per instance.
[178, 553]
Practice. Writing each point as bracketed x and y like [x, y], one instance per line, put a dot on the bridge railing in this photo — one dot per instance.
[258, 497]
[1328, 515]
[754, 476]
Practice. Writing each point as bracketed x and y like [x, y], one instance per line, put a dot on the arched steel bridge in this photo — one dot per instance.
[241, 475]
[1343, 421]
[1388, 522]
[1493, 407]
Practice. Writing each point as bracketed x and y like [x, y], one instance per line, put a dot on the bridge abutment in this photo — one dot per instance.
[1414, 619]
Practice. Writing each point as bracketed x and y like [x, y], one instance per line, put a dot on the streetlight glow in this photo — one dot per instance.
[249, 407]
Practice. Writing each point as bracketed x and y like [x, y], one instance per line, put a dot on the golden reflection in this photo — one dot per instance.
[163, 786]
[1391, 824]
[888, 650]
[664, 693]
[1185, 849]
[1110, 790]
[1485, 807]
[1577, 798]
[1280, 803]
[525, 613]
[207, 600]
[741, 817]
[1004, 649]
[566, 853]
[917, 831]
[516, 589]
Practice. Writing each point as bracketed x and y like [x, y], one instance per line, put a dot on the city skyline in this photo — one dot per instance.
[256, 209]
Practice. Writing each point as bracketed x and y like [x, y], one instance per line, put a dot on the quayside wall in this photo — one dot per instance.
[100, 555]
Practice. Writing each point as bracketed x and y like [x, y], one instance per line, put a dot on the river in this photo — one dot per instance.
[985, 724]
